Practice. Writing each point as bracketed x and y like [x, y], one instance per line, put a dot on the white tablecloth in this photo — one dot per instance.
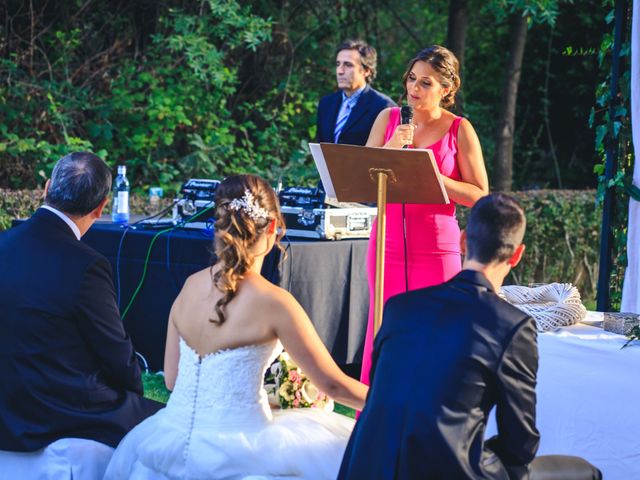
[589, 399]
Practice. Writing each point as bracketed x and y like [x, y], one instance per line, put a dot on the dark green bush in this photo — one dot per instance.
[17, 204]
[22, 203]
[562, 239]
[177, 89]
[165, 110]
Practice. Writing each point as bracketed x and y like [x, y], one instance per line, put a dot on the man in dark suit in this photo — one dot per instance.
[347, 115]
[67, 367]
[444, 357]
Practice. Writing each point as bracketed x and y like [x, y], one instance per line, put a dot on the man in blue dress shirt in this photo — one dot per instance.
[346, 116]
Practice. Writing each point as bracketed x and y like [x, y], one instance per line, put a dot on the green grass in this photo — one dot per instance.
[154, 387]
[343, 410]
[155, 390]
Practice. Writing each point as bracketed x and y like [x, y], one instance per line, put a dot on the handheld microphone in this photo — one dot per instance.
[406, 115]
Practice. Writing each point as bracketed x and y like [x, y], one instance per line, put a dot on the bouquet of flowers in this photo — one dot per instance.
[288, 387]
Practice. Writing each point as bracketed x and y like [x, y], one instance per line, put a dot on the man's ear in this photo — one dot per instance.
[97, 212]
[46, 188]
[463, 242]
[517, 256]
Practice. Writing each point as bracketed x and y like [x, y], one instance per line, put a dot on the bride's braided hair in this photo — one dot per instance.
[245, 206]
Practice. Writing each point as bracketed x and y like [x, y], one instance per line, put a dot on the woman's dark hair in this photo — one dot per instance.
[245, 206]
[446, 65]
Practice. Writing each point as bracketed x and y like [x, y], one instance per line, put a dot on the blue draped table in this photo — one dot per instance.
[327, 278]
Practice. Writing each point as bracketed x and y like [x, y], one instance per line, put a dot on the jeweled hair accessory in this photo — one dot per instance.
[249, 205]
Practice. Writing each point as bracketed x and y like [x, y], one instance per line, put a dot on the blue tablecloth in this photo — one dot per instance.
[327, 278]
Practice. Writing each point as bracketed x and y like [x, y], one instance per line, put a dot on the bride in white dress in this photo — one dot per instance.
[225, 329]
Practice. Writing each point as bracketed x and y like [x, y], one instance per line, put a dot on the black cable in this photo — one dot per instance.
[160, 214]
[118, 257]
[288, 252]
[172, 274]
[404, 235]
[118, 264]
[131, 226]
[146, 261]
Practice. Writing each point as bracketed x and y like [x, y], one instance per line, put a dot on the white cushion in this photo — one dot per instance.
[64, 459]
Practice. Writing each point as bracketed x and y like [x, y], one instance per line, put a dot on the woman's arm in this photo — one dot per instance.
[474, 183]
[171, 353]
[402, 135]
[300, 339]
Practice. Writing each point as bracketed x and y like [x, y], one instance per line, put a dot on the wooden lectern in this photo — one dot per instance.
[368, 174]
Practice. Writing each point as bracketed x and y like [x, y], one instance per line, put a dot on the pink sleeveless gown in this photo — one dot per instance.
[433, 238]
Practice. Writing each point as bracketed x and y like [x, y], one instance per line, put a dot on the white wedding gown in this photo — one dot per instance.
[218, 425]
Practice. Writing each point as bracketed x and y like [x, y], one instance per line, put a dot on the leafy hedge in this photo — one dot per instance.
[562, 238]
[22, 203]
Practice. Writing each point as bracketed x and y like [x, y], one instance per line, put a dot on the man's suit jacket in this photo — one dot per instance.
[444, 356]
[67, 368]
[356, 130]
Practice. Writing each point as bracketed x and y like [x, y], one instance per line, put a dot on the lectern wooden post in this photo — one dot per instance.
[381, 242]
[366, 174]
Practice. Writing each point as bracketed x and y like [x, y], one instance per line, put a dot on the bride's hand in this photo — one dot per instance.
[296, 332]
[403, 135]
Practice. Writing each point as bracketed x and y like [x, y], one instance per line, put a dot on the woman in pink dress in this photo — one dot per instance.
[429, 252]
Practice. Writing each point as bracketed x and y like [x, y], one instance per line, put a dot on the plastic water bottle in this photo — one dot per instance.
[120, 210]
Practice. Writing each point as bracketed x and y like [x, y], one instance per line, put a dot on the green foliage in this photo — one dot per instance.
[537, 11]
[561, 240]
[20, 204]
[179, 89]
[611, 120]
[165, 114]
[16, 204]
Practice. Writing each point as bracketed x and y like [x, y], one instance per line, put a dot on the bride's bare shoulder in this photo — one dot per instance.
[196, 286]
[197, 282]
[269, 296]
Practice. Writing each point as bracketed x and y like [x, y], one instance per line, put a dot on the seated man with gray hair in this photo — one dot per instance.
[68, 368]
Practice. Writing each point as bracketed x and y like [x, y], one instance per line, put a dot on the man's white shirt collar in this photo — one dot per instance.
[354, 96]
[74, 228]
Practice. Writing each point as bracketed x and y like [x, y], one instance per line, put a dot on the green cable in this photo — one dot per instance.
[146, 260]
